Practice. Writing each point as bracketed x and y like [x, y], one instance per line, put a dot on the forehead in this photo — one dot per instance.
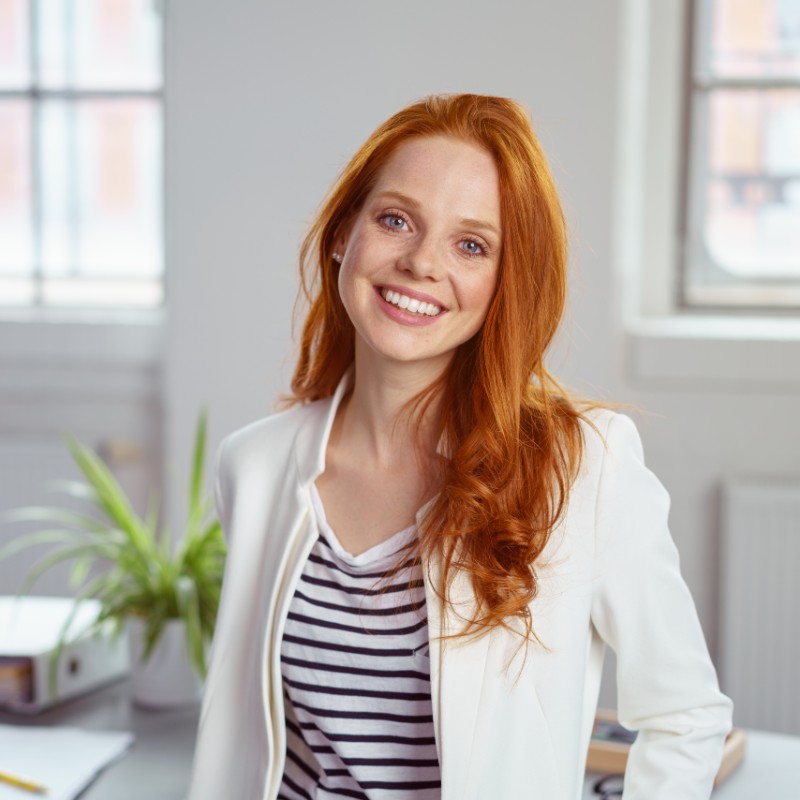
[441, 172]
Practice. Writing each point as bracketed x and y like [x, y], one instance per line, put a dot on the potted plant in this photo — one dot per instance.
[166, 595]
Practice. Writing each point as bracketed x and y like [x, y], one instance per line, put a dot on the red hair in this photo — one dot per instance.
[513, 436]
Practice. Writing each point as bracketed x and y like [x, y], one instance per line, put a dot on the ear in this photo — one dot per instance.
[343, 236]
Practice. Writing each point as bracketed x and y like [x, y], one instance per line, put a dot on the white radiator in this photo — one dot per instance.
[760, 603]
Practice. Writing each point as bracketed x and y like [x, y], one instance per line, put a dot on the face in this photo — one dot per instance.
[421, 256]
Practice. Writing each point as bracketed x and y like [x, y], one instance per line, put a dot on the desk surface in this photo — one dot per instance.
[157, 767]
[770, 770]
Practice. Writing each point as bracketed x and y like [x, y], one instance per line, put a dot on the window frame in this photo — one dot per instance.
[661, 343]
[781, 297]
[37, 308]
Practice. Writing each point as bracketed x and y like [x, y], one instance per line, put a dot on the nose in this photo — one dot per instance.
[421, 259]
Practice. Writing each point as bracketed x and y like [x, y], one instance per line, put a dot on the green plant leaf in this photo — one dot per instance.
[55, 656]
[151, 518]
[62, 515]
[64, 554]
[33, 538]
[80, 570]
[198, 457]
[111, 497]
[154, 627]
[189, 607]
[125, 562]
[86, 593]
[165, 543]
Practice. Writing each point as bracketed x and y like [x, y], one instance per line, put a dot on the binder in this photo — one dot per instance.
[30, 628]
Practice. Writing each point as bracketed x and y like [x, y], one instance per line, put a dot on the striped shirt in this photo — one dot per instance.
[356, 675]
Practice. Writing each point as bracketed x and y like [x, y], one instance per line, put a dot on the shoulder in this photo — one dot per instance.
[623, 497]
[612, 466]
[270, 441]
[606, 433]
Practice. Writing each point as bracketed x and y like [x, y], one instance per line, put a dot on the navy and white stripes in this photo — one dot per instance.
[356, 675]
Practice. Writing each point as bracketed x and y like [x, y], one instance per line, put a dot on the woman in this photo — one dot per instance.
[431, 548]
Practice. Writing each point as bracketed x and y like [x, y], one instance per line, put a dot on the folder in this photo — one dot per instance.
[30, 628]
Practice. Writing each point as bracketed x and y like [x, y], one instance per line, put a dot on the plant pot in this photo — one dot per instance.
[167, 679]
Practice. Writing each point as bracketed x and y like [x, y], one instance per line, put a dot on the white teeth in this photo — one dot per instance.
[411, 304]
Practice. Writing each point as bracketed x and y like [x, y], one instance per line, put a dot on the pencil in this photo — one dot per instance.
[22, 783]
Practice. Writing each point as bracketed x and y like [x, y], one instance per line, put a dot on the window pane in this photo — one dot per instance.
[17, 291]
[16, 235]
[752, 220]
[102, 197]
[14, 58]
[99, 293]
[99, 44]
[59, 176]
[752, 38]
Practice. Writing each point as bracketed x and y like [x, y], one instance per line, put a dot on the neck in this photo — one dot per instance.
[373, 414]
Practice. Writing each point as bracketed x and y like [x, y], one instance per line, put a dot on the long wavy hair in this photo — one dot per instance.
[512, 434]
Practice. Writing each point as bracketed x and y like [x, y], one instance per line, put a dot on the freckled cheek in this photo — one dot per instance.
[347, 291]
[364, 258]
[355, 288]
[477, 297]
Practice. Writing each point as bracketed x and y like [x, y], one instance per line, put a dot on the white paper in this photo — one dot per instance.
[64, 760]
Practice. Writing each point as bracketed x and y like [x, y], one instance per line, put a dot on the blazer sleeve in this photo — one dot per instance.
[641, 607]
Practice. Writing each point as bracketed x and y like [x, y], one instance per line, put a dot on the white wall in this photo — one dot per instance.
[265, 102]
[92, 378]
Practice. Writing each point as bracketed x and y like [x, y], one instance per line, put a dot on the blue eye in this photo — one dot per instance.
[472, 248]
[393, 221]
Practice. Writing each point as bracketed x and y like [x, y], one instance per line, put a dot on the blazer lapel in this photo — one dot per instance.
[312, 439]
[458, 669]
[458, 666]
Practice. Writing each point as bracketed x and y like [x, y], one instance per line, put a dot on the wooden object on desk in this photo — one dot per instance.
[732, 754]
[612, 756]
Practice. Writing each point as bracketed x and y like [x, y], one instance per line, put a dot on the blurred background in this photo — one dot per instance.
[160, 161]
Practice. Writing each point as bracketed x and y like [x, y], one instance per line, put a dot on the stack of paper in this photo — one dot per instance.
[63, 760]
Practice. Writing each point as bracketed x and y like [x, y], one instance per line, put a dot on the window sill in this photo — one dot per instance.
[714, 351]
[90, 338]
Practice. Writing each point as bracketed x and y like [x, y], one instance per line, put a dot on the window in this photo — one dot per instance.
[742, 212]
[81, 153]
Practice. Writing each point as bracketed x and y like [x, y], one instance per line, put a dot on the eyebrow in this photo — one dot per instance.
[468, 222]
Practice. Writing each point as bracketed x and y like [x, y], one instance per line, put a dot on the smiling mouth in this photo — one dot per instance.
[410, 304]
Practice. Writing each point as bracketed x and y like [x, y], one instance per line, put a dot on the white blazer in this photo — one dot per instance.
[508, 724]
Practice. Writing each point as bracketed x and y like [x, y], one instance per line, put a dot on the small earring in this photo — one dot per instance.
[337, 257]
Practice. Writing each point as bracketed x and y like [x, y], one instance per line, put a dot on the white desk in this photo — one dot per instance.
[157, 767]
[770, 771]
